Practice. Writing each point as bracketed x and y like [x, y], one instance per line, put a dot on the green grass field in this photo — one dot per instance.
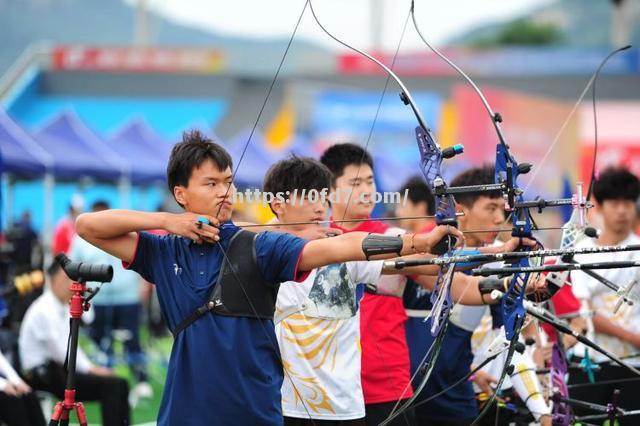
[146, 410]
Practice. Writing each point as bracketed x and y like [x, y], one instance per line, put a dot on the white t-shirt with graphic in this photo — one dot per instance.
[320, 342]
[603, 300]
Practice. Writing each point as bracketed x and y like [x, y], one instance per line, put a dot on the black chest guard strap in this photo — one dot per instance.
[240, 290]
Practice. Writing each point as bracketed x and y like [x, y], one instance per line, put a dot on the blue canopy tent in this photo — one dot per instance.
[24, 159]
[79, 153]
[137, 140]
[22, 156]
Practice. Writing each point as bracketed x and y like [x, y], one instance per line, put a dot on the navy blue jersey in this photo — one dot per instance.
[223, 370]
[454, 361]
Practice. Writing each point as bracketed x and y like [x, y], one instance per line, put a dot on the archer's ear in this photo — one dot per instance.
[179, 194]
[278, 207]
[461, 208]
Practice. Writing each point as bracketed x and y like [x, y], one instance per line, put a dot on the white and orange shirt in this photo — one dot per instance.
[319, 339]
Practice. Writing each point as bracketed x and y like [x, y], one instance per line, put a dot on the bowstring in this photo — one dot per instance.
[274, 345]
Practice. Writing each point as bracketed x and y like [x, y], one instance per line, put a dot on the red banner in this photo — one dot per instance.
[80, 58]
[530, 126]
[618, 137]
[413, 64]
[495, 62]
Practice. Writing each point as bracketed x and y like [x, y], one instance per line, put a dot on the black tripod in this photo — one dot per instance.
[80, 273]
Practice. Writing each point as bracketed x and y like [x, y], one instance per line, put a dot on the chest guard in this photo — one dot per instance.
[240, 289]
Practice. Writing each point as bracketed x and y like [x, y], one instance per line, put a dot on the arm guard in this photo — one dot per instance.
[487, 285]
[375, 244]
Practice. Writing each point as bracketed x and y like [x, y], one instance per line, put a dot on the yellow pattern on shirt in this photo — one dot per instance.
[316, 340]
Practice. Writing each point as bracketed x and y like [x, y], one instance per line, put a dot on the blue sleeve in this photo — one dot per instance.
[467, 252]
[496, 315]
[148, 250]
[278, 255]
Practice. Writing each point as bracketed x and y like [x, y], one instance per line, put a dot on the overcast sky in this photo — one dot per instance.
[349, 20]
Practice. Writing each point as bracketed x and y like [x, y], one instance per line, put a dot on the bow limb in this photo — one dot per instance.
[431, 159]
[506, 174]
[562, 412]
[430, 152]
[495, 118]
[405, 94]
[442, 305]
[507, 171]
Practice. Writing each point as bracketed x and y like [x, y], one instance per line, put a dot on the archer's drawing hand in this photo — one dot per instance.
[187, 225]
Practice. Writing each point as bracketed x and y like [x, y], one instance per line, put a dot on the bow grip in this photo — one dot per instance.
[448, 242]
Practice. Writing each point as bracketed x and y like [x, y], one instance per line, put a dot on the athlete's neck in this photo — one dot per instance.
[338, 216]
[610, 238]
[418, 225]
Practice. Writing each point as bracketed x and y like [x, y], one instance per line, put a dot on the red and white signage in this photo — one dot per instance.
[151, 59]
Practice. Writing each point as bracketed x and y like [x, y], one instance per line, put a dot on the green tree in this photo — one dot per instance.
[527, 32]
[522, 32]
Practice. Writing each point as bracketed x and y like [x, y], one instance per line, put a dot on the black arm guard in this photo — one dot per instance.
[487, 285]
[375, 244]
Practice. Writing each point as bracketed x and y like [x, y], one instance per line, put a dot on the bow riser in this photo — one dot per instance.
[441, 300]
[562, 412]
[513, 311]
[431, 158]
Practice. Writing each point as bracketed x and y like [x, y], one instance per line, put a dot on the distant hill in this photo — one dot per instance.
[582, 23]
[108, 22]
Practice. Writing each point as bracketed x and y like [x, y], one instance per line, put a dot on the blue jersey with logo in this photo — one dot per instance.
[223, 370]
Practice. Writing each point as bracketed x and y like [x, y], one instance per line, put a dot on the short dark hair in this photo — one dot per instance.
[99, 205]
[340, 156]
[418, 191]
[297, 173]
[616, 183]
[189, 154]
[475, 176]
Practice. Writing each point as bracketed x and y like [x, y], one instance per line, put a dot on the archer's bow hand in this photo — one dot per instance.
[515, 244]
[425, 243]
[537, 285]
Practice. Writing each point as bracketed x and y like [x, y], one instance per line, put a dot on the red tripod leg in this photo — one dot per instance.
[64, 419]
[82, 415]
[57, 413]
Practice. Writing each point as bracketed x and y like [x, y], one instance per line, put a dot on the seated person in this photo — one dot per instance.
[43, 348]
[19, 406]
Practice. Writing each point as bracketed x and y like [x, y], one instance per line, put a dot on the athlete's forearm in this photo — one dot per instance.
[109, 224]
[606, 326]
[464, 289]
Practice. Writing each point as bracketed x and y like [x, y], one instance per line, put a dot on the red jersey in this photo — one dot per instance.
[564, 302]
[385, 354]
